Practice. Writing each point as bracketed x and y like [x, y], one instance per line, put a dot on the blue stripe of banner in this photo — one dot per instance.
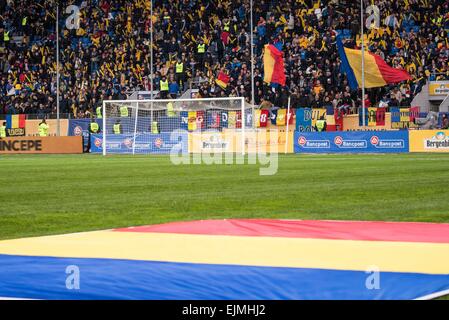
[9, 121]
[46, 277]
[346, 66]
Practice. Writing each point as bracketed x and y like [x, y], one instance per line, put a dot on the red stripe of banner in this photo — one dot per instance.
[22, 121]
[390, 75]
[278, 75]
[343, 230]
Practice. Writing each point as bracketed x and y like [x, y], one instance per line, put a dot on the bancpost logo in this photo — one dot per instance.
[387, 143]
[313, 144]
[438, 141]
[350, 144]
[98, 142]
[158, 143]
[128, 143]
[78, 131]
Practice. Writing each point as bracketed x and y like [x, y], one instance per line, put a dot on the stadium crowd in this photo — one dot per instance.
[109, 54]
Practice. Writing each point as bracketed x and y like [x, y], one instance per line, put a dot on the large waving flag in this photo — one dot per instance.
[223, 80]
[377, 72]
[273, 62]
[234, 259]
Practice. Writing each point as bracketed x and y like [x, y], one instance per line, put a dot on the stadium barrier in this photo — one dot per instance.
[429, 140]
[47, 145]
[352, 142]
[268, 141]
[145, 143]
[195, 142]
[399, 141]
[32, 127]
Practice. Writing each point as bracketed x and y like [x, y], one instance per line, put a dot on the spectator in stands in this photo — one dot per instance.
[109, 54]
[445, 122]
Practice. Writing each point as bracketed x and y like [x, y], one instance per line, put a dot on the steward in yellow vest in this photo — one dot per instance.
[180, 73]
[201, 48]
[117, 128]
[124, 112]
[154, 128]
[163, 83]
[43, 128]
[94, 127]
[320, 125]
[179, 67]
[163, 88]
[6, 36]
[99, 114]
[3, 130]
[170, 110]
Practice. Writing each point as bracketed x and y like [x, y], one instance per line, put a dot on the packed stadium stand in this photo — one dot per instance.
[109, 55]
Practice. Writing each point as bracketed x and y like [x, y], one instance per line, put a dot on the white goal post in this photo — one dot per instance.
[144, 126]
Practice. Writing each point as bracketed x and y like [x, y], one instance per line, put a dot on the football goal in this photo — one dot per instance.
[156, 126]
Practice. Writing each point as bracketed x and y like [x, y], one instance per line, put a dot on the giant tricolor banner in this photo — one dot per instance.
[273, 62]
[233, 259]
[377, 72]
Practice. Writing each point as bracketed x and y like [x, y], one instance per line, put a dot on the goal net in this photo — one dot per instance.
[191, 125]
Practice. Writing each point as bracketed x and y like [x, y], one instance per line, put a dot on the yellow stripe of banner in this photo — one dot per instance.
[432, 258]
[14, 121]
[373, 77]
[268, 62]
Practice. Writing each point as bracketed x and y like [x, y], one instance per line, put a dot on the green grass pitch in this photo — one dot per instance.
[43, 194]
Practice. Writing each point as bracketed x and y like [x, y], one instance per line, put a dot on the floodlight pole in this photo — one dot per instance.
[151, 51]
[58, 124]
[252, 53]
[363, 62]
[151, 60]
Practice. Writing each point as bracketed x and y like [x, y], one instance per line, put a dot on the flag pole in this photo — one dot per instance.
[363, 63]
[58, 122]
[287, 129]
[252, 53]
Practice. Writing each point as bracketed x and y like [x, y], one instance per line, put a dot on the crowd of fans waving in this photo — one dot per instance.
[107, 55]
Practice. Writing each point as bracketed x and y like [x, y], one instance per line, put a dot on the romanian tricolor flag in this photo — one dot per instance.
[273, 62]
[15, 121]
[222, 80]
[377, 72]
[237, 259]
